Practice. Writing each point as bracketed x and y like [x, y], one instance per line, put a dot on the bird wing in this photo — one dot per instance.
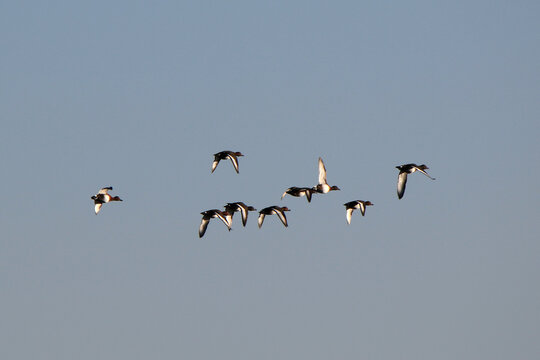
[244, 212]
[229, 216]
[423, 172]
[322, 172]
[285, 193]
[203, 226]
[105, 190]
[349, 214]
[97, 207]
[362, 208]
[402, 181]
[215, 163]
[260, 220]
[308, 193]
[281, 216]
[221, 217]
[234, 161]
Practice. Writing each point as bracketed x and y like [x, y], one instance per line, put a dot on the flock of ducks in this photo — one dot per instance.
[322, 187]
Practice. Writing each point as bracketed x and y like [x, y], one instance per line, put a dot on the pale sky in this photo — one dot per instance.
[140, 95]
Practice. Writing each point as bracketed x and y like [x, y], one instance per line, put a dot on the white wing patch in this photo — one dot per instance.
[322, 172]
[234, 161]
[244, 213]
[260, 220]
[229, 218]
[362, 208]
[402, 182]
[222, 218]
[349, 215]
[215, 164]
[423, 172]
[203, 226]
[281, 216]
[308, 194]
[97, 207]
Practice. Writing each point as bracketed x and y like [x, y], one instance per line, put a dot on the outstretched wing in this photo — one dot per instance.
[322, 172]
[105, 190]
[308, 193]
[229, 216]
[215, 163]
[281, 216]
[244, 212]
[203, 226]
[362, 208]
[234, 161]
[221, 216]
[97, 207]
[260, 220]
[349, 214]
[423, 172]
[402, 182]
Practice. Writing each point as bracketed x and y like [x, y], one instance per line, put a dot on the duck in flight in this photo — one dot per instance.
[323, 187]
[273, 210]
[299, 191]
[402, 176]
[103, 197]
[222, 155]
[211, 214]
[231, 208]
[357, 204]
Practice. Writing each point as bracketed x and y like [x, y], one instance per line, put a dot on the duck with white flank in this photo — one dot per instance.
[274, 210]
[211, 214]
[402, 177]
[357, 204]
[231, 208]
[231, 155]
[323, 186]
[299, 191]
[103, 197]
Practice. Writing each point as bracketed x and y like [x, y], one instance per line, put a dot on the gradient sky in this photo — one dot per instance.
[139, 95]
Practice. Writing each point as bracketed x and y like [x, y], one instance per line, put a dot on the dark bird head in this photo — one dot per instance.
[334, 188]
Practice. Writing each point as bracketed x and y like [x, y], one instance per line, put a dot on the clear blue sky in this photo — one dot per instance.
[139, 95]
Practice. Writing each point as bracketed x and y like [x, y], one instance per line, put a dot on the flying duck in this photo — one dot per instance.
[323, 186]
[211, 214]
[356, 204]
[271, 210]
[402, 176]
[231, 155]
[231, 208]
[299, 191]
[103, 197]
